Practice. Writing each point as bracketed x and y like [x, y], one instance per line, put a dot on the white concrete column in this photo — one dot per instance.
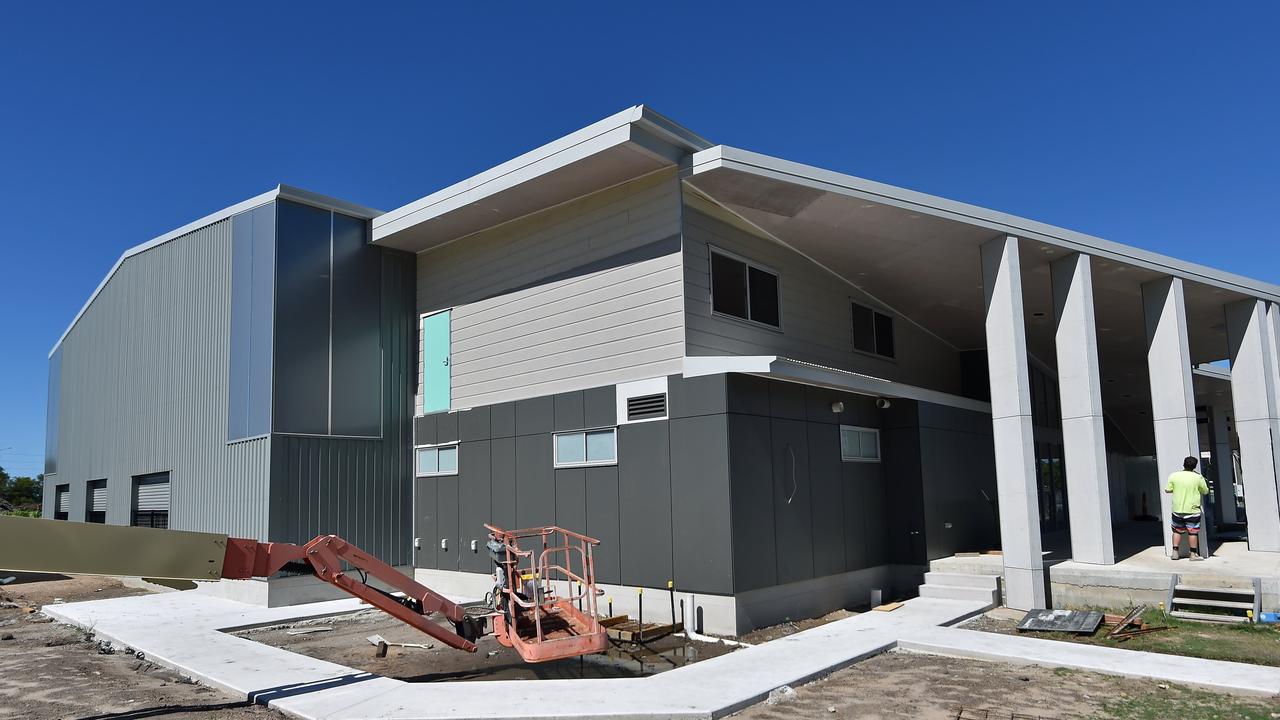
[1011, 421]
[1253, 395]
[1080, 389]
[1224, 464]
[1173, 402]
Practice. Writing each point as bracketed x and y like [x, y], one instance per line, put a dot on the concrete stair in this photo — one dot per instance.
[962, 586]
[1228, 603]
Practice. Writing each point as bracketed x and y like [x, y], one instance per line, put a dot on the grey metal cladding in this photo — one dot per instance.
[787, 400]
[357, 345]
[424, 429]
[600, 406]
[535, 415]
[426, 524]
[301, 397]
[701, 530]
[448, 553]
[153, 347]
[569, 412]
[578, 296]
[502, 420]
[446, 427]
[503, 480]
[571, 498]
[751, 502]
[602, 521]
[252, 312]
[792, 492]
[475, 424]
[690, 397]
[644, 499]
[475, 500]
[51, 420]
[535, 486]
[826, 499]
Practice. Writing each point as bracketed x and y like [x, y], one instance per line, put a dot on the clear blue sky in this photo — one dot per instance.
[1153, 124]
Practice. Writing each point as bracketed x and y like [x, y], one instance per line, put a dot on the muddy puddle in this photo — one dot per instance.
[344, 640]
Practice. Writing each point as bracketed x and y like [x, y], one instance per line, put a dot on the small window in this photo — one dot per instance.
[151, 500]
[859, 444]
[586, 447]
[438, 460]
[61, 501]
[744, 290]
[95, 503]
[872, 331]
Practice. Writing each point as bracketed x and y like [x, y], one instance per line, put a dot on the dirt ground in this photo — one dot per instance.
[774, 632]
[898, 685]
[50, 671]
[345, 642]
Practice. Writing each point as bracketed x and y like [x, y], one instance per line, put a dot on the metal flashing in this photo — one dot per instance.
[730, 158]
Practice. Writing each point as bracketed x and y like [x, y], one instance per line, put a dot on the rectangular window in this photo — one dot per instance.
[859, 444]
[872, 331]
[95, 503]
[437, 460]
[586, 447]
[744, 290]
[151, 500]
[61, 501]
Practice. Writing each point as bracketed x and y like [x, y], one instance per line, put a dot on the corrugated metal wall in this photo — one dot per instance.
[354, 487]
[144, 389]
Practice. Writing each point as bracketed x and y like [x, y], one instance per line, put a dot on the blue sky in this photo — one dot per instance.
[1152, 124]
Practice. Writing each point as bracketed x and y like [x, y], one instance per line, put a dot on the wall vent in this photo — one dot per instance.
[646, 407]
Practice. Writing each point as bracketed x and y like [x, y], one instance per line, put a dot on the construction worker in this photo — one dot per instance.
[1187, 487]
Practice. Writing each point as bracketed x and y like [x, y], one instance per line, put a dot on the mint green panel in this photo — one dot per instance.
[435, 363]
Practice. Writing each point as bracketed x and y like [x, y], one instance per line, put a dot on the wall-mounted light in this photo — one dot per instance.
[883, 403]
[837, 407]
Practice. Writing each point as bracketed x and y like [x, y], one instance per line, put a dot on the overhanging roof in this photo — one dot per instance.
[622, 147]
[283, 192]
[725, 159]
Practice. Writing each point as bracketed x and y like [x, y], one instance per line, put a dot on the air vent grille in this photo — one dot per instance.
[646, 407]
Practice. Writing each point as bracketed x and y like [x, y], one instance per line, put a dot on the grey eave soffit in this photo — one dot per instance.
[279, 192]
[797, 371]
[622, 147]
[725, 158]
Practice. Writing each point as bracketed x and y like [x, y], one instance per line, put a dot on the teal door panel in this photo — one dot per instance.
[436, 389]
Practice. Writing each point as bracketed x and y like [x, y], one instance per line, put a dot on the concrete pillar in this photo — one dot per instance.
[1011, 421]
[1253, 395]
[1080, 389]
[1173, 404]
[1224, 464]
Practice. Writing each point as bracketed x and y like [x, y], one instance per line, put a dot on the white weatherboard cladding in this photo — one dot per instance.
[817, 321]
[579, 296]
[152, 349]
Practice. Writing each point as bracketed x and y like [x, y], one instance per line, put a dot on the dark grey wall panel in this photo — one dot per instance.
[474, 424]
[301, 397]
[426, 523]
[569, 411]
[600, 406]
[701, 530]
[252, 311]
[502, 455]
[750, 470]
[900, 446]
[602, 521]
[571, 499]
[690, 397]
[535, 415]
[446, 427]
[535, 480]
[475, 503]
[644, 496]
[424, 429]
[786, 400]
[827, 499]
[502, 419]
[447, 557]
[867, 516]
[357, 340]
[748, 394]
[957, 465]
[793, 514]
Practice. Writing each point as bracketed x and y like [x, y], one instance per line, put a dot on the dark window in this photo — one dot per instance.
[151, 519]
[61, 501]
[95, 501]
[872, 331]
[151, 500]
[744, 290]
[253, 258]
[646, 407]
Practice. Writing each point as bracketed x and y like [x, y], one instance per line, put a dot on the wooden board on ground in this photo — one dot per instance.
[1084, 622]
[887, 607]
[1128, 619]
[630, 631]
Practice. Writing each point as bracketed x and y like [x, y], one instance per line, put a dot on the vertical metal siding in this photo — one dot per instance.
[144, 389]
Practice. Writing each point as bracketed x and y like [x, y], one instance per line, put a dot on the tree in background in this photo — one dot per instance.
[21, 492]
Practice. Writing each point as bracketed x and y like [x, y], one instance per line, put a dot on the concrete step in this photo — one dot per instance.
[959, 592]
[1216, 590]
[1208, 617]
[1209, 602]
[986, 582]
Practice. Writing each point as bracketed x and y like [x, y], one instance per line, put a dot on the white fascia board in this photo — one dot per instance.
[1212, 372]
[285, 192]
[731, 158]
[613, 130]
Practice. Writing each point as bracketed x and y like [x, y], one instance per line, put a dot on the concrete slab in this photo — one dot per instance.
[184, 631]
[1210, 674]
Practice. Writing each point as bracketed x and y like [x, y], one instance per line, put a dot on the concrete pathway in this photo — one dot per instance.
[184, 631]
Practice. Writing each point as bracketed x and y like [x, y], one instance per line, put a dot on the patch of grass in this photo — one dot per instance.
[1181, 702]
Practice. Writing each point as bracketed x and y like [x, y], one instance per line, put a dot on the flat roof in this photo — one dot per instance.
[282, 192]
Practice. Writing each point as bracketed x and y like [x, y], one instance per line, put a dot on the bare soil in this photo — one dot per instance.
[897, 685]
[755, 637]
[346, 642]
[49, 670]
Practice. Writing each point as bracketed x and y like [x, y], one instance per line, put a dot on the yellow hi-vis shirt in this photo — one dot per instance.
[1187, 487]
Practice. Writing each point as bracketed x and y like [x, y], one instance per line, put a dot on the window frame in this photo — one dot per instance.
[555, 448]
[457, 466]
[875, 314]
[860, 458]
[711, 287]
